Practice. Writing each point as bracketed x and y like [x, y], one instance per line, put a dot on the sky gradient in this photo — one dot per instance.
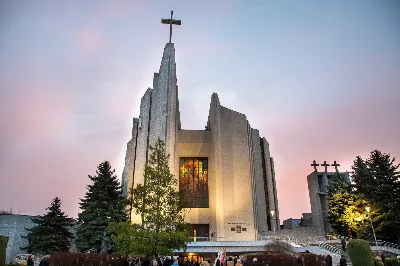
[319, 79]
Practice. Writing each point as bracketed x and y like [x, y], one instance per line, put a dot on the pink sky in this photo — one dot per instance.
[319, 80]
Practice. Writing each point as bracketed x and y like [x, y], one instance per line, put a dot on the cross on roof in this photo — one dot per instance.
[326, 166]
[170, 22]
[335, 165]
[315, 166]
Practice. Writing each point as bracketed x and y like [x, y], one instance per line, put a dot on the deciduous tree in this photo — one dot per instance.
[159, 205]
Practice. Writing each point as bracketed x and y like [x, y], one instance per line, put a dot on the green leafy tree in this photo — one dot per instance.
[160, 208]
[102, 205]
[339, 196]
[52, 232]
[375, 183]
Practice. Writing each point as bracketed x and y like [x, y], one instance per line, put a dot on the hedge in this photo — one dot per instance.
[360, 253]
[86, 259]
[3, 248]
[284, 259]
[388, 262]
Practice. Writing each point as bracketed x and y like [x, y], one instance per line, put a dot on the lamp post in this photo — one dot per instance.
[273, 219]
[368, 209]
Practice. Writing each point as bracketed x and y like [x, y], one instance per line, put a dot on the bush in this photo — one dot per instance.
[284, 259]
[3, 248]
[360, 253]
[86, 259]
[388, 262]
[394, 261]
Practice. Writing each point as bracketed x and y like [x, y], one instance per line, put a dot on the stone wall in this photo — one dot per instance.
[13, 227]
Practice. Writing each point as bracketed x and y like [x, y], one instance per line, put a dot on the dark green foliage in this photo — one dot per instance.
[52, 232]
[102, 204]
[394, 261]
[375, 183]
[86, 259]
[3, 248]
[340, 198]
[360, 252]
[378, 262]
[157, 204]
[284, 259]
[388, 262]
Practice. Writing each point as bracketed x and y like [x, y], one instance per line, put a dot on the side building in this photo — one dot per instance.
[318, 192]
[225, 171]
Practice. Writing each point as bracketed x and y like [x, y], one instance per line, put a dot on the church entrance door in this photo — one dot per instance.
[200, 232]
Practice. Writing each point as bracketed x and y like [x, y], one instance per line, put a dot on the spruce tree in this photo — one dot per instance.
[384, 180]
[52, 232]
[102, 205]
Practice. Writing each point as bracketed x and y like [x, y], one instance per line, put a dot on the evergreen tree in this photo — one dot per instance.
[360, 176]
[384, 180]
[52, 232]
[160, 208]
[102, 204]
[376, 184]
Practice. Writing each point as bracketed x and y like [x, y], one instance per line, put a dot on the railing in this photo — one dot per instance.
[330, 248]
[207, 239]
[202, 239]
[386, 244]
[299, 241]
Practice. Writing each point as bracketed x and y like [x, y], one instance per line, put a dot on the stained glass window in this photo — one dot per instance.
[193, 182]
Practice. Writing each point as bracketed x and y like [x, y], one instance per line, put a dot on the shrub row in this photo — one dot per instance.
[86, 259]
[391, 262]
[3, 248]
[284, 259]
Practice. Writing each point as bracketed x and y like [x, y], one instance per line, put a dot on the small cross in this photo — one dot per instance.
[315, 166]
[335, 165]
[326, 166]
[170, 22]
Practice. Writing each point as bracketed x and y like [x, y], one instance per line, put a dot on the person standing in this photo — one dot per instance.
[30, 261]
[343, 243]
[343, 261]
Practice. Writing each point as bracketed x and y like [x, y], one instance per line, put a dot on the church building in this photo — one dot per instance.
[225, 171]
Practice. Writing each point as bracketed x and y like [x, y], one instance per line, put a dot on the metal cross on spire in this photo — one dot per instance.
[335, 165]
[315, 165]
[170, 22]
[326, 166]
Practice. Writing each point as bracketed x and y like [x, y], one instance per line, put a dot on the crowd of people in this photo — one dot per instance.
[177, 261]
[30, 260]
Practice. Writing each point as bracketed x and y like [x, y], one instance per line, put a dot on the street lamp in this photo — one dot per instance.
[368, 209]
[273, 218]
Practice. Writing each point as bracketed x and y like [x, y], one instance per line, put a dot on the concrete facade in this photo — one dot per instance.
[240, 170]
[307, 220]
[291, 223]
[14, 227]
[318, 192]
